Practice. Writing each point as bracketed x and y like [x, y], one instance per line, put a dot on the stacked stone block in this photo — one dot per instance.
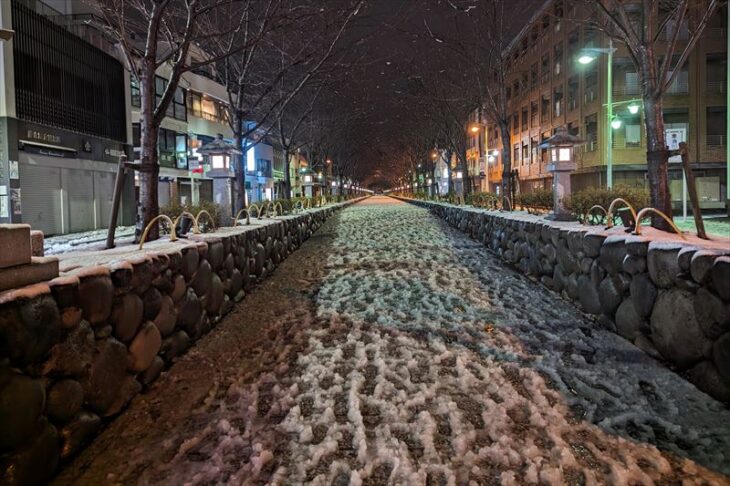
[76, 349]
[669, 298]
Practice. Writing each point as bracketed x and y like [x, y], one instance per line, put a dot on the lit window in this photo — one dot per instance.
[250, 160]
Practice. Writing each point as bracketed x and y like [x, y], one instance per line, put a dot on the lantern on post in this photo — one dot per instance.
[561, 147]
[221, 156]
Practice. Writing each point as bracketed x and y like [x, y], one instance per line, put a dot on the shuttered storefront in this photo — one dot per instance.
[59, 200]
[41, 197]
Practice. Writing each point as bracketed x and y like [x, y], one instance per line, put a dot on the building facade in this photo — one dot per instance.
[63, 125]
[549, 88]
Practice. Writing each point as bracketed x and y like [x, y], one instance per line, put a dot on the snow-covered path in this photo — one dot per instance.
[391, 349]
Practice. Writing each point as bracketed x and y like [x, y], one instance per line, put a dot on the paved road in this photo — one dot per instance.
[391, 349]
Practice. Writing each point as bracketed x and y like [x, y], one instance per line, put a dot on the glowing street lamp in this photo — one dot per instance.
[586, 59]
[616, 123]
[633, 108]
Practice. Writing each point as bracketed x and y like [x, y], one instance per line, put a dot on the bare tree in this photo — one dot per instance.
[156, 33]
[652, 36]
[477, 39]
[308, 75]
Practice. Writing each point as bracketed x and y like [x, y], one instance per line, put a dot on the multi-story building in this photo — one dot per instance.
[278, 171]
[195, 117]
[476, 154]
[548, 88]
[63, 124]
[298, 168]
[260, 171]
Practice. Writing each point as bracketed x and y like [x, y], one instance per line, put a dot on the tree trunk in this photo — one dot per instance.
[506, 162]
[287, 174]
[657, 161]
[148, 206]
[240, 169]
[465, 178]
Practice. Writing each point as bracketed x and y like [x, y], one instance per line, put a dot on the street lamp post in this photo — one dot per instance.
[587, 58]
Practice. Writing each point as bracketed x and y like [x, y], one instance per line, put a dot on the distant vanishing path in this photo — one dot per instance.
[391, 349]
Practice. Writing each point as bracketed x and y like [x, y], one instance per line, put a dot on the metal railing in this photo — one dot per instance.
[716, 140]
[716, 86]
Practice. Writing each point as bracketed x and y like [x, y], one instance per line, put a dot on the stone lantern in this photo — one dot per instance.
[561, 147]
[221, 157]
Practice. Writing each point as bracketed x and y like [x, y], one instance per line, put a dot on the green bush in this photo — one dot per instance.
[581, 202]
[483, 200]
[536, 201]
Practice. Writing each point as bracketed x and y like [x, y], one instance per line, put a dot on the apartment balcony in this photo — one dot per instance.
[632, 89]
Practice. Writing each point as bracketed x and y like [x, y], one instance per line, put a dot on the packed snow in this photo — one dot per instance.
[53, 245]
[425, 360]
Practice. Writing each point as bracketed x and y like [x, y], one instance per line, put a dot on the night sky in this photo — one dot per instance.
[394, 45]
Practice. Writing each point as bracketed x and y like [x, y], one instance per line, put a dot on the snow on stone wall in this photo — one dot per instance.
[668, 297]
[75, 350]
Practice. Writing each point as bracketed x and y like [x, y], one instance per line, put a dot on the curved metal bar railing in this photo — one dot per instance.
[609, 213]
[258, 209]
[278, 209]
[210, 218]
[597, 206]
[238, 217]
[642, 214]
[173, 236]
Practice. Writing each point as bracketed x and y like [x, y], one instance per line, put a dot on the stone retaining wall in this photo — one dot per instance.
[75, 350]
[669, 297]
